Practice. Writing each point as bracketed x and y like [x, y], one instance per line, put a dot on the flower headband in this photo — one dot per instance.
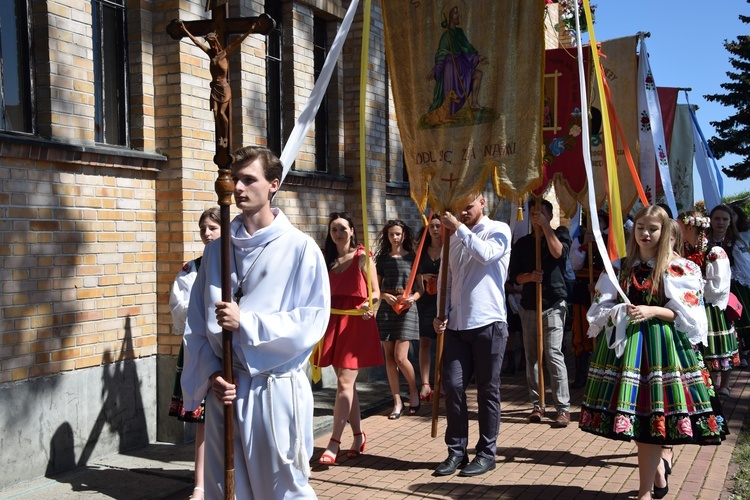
[703, 222]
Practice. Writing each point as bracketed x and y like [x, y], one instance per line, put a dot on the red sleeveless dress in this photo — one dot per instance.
[350, 341]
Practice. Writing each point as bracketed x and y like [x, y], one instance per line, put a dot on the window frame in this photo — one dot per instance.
[321, 48]
[23, 25]
[275, 80]
[100, 77]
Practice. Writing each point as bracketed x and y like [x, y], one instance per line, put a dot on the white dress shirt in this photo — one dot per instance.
[477, 271]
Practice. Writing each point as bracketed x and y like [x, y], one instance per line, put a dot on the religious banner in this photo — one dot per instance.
[668, 105]
[620, 71]
[467, 85]
[652, 136]
[561, 120]
[681, 153]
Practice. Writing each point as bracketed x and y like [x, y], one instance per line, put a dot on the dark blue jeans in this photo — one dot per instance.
[477, 352]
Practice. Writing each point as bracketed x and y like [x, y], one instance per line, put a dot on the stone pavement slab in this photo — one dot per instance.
[533, 460]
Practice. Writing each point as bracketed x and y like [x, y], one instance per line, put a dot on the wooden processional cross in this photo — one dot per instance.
[215, 32]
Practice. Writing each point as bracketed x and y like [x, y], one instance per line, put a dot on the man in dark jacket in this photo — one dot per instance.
[522, 270]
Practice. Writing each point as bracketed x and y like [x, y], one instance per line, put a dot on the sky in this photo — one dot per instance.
[686, 49]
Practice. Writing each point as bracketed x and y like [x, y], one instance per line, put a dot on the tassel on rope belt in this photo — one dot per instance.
[300, 460]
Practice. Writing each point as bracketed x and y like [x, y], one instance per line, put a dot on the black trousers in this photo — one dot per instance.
[477, 352]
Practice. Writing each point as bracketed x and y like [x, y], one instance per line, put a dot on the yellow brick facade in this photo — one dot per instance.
[92, 236]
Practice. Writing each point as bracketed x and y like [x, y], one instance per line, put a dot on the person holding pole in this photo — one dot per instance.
[555, 245]
[280, 311]
[475, 332]
[587, 264]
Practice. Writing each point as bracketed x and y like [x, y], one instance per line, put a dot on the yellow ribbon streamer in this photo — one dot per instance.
[615, 205]
[317, 374]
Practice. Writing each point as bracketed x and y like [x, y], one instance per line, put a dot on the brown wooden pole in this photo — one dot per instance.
[539, 325]
[224, 188]
[440, 336]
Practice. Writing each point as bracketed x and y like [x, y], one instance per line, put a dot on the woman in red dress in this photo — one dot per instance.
[351, 342]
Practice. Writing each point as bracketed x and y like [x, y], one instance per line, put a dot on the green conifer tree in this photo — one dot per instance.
[733, 133]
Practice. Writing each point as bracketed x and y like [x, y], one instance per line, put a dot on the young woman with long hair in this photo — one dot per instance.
[646, 382]
[351, 342]
[721, 352]
[429, 267]
[398, 322]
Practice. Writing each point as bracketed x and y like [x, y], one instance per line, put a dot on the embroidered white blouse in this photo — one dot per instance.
[683, 291]
[718, 278]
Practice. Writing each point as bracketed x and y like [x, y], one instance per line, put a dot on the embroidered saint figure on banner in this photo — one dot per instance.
[467, 86]
[457, 76]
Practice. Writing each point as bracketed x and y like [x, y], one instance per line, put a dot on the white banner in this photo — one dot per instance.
[703, 162]
[681, 152]
[653, 143]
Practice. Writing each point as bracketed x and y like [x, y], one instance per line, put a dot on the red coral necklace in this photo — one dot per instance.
[647, 281]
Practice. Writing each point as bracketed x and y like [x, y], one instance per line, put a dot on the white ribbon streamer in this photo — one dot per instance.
[307, 117]
[655, 141]
[586, 138]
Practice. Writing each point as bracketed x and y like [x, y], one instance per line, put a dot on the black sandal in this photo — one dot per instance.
[667, 467]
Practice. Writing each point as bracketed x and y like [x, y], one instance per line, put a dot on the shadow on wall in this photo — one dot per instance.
[121, 412]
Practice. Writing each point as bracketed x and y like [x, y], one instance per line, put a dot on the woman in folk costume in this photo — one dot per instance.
[646, 382]
[741, 277]
[429, 267]
[350, 342]
[720, 353]
[398, 321]
[210, 229]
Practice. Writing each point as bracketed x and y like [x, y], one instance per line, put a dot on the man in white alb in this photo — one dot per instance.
[281, 309]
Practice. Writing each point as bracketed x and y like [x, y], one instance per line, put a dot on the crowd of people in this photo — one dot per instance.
[652, 348]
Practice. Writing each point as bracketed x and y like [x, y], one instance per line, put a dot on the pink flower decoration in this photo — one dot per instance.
[585, 418]
[622, 424]
[684, 426]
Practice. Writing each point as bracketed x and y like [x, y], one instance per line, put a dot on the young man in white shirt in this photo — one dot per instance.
[476, 332]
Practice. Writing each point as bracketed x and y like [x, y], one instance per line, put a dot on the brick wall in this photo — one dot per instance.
[77, 260]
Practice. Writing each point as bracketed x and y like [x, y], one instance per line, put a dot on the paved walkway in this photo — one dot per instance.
[534, 460]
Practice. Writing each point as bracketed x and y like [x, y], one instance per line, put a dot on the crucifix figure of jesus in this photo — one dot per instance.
[221, 92]
[215, 32]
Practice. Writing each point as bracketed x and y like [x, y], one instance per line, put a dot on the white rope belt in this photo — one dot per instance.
[300, 460]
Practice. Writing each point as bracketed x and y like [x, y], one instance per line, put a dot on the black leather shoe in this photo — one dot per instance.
[478, 466]
[450, 464]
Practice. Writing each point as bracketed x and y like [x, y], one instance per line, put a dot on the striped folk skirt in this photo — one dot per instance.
[175, 406]
[658, 392]
[721, 353]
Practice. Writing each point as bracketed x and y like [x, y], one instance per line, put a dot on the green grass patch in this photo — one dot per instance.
[741, 457]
